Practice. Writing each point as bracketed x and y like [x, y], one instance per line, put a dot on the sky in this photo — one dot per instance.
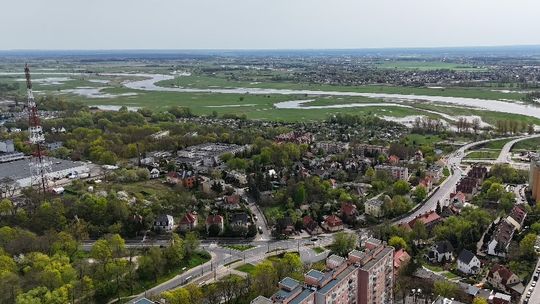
[266, 24]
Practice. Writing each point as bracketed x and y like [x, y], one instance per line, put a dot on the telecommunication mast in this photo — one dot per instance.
[40, 166]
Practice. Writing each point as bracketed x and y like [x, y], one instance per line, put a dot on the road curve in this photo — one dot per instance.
[448, 186]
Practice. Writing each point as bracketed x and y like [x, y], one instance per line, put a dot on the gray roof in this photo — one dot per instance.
[466, 256]
[315, 274]
[20, 169]
[289, 283]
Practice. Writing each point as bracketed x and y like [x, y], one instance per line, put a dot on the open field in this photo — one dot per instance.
[528, 145]
[483, 154]
[425, 65]
[215, 82]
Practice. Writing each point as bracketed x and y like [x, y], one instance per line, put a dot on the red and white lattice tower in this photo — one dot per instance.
[40, 166]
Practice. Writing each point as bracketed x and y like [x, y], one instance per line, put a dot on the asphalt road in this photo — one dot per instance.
[222, 256]
[453, 161]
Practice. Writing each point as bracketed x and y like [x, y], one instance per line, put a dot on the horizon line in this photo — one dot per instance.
[281, 49]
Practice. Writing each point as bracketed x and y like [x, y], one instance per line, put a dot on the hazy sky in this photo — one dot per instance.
[265, 24]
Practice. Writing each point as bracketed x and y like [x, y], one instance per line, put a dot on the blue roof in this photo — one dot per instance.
[328, 286]
[315, 274]
[302, 296]
[289, 283]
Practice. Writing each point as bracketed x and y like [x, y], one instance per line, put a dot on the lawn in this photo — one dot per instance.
[240, 247]
[433, 268]
[420, 139]
[532, 144]
[484, 154]
[247, 268]
[318, 250]
[196, 260]
[496, 144]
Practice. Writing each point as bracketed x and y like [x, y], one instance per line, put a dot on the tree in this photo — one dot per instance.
[151, 264]
[397, 242]
[299, 194]
[174, 254]
[177, 296]
[344, 243]
[478, 300]
[445, 288]
[526, 246]
[191, 244]
[401, 187]
[265, 278]
[290, 265]
[420, 193]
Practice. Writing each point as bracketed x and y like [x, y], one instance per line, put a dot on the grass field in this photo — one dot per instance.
[484, 154]
[247, 268]
[532, 144]
[262, 106]
[472, 92]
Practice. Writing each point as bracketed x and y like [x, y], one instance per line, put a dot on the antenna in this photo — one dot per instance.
[39, 165]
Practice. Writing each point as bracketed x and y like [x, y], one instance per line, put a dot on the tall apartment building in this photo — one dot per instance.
[395, 171]
[534, 178]
[364, 277]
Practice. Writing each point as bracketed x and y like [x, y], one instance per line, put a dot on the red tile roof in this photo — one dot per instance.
[333, 221]
[400, 257]
[348, 209]
[426, 218]
[189, 218]
[214, 219]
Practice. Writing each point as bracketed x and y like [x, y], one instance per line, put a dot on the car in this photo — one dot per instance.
[260, 229]
[533, 284]
[314, 239]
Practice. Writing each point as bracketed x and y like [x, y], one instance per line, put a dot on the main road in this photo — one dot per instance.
[453, 161]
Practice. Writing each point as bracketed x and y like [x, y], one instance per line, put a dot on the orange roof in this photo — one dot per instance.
[333, 221]
[401, 256]
[426, 218]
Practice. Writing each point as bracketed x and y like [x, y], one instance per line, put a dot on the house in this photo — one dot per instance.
[468, 263]
[154, 173]
[374, 207]
[189, 221]
[216, 220]
[239, 220]
[468, 186]
[187, 179]
[458, 199]
[393, 160]
[435, 172]
[418, 156]
[426, 182]
[430, 219]
[332, 223]
[501, 238]
[349, 212]
[517, 217]
[394, 171]
[401, 259]
[285, 226]
[504, 279]
[207, 185]
[231, 202]
[164, 223]
[311, 226]
[440, 252]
